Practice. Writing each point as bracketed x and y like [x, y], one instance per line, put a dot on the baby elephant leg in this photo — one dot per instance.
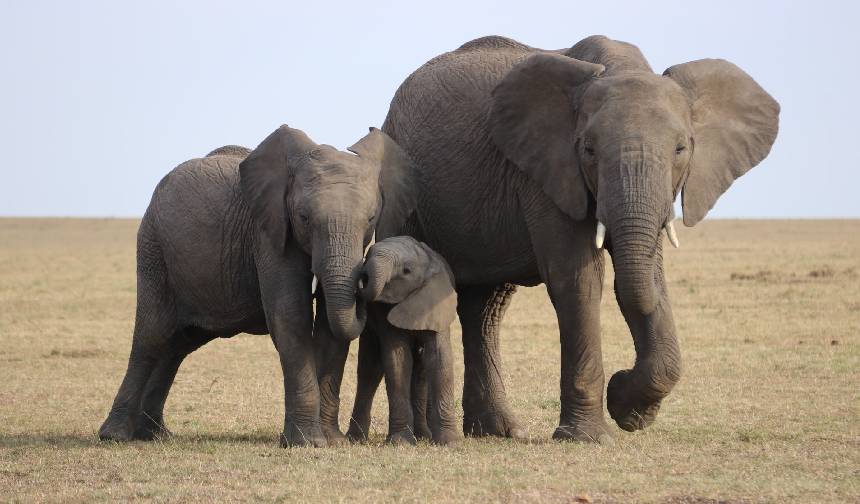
[397, 362]
[419, 394]
[441, 414]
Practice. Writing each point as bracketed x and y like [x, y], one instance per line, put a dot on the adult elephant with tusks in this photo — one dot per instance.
[531, 161]
[230, 243]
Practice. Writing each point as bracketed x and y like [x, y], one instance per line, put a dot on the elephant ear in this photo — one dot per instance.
[431, 307]
[532, 120]
[264, 178]
[735, 123]
[396, 180]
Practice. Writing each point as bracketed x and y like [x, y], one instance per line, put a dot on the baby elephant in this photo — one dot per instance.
[411, 291]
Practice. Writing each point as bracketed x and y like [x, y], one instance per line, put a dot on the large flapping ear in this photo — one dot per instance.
[735, 123]
[396, 180]
[264, 177]
[532, 121]
[431, 307]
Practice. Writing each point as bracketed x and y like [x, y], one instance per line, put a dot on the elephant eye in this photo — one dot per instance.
[589, 150]
[304, 218]
[406, 270]
[679, 149]
[371, 218]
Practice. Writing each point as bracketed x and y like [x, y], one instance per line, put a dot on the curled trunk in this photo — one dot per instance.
[375, 274]
[338, 268]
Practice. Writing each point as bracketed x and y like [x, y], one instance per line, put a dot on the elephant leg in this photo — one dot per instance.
[438, 362]
[397, 362]
[285, 291]
[486, 411]
[419, 394]
[153, 329]
[121, 422]
[150, 422]
[572, 268]
[633, 396]
[370, 374]
[331, 356]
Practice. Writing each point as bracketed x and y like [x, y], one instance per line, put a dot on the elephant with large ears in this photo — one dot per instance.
[230, 243]
[531, 161]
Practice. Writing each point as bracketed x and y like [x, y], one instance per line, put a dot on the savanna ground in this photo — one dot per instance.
[767, 410]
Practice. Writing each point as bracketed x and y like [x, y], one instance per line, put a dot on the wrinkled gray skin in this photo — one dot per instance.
[520, 151]
[412, 304]
[229, 244]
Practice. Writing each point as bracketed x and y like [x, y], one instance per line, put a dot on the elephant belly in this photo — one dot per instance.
[478, 226]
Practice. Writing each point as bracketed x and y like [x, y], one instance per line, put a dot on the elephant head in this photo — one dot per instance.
[408, 274]
[605, 137]
[328, 203]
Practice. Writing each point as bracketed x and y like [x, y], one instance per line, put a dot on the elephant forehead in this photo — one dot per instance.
[331, 165]
[641, 87]
[402, 247]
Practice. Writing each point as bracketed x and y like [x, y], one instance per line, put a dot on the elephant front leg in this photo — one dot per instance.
[442, 412]
[285, 288]
[419, 394]
[370, 374]
[301, 390]
[486, 411]
[633, 396]
[397, 362]
[581, 417]
[331, 356]
[572, 269]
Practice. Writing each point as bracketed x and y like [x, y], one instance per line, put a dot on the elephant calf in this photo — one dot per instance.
[411, 291]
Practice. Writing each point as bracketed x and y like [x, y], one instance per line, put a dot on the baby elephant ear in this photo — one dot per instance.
[431, 307]
[396, 180]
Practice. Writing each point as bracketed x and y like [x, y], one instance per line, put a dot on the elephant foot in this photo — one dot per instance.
[626, 404]
[149, 428]
[493, 424]
[447, 437]
[422, 431]
[119, 428]
[356, 432]
[296, 435]
[584, 432]
[401, 438]
[333, 436]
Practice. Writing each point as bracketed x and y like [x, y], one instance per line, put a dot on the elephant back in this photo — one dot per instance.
[231, 150]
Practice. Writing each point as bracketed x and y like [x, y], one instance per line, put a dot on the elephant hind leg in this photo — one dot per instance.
[150, 422]
[486, 411]
[154, 331]
[121, 423]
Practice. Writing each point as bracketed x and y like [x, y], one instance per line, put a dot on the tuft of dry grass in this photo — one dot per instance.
[767, 410]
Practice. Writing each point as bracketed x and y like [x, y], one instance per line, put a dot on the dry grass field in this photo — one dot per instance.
[768, 408]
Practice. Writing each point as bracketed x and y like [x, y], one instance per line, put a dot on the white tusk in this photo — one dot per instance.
[314, 285]
[670, 232]
[360, 283]
[601, 234]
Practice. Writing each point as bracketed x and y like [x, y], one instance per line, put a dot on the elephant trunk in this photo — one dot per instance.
[642, 208]
[633, 255]
[634, 209]
[376, 273]
[338, 269]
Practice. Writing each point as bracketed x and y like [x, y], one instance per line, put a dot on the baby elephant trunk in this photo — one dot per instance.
[376, 273]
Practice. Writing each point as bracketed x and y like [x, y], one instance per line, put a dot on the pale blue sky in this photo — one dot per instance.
[99, 99]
